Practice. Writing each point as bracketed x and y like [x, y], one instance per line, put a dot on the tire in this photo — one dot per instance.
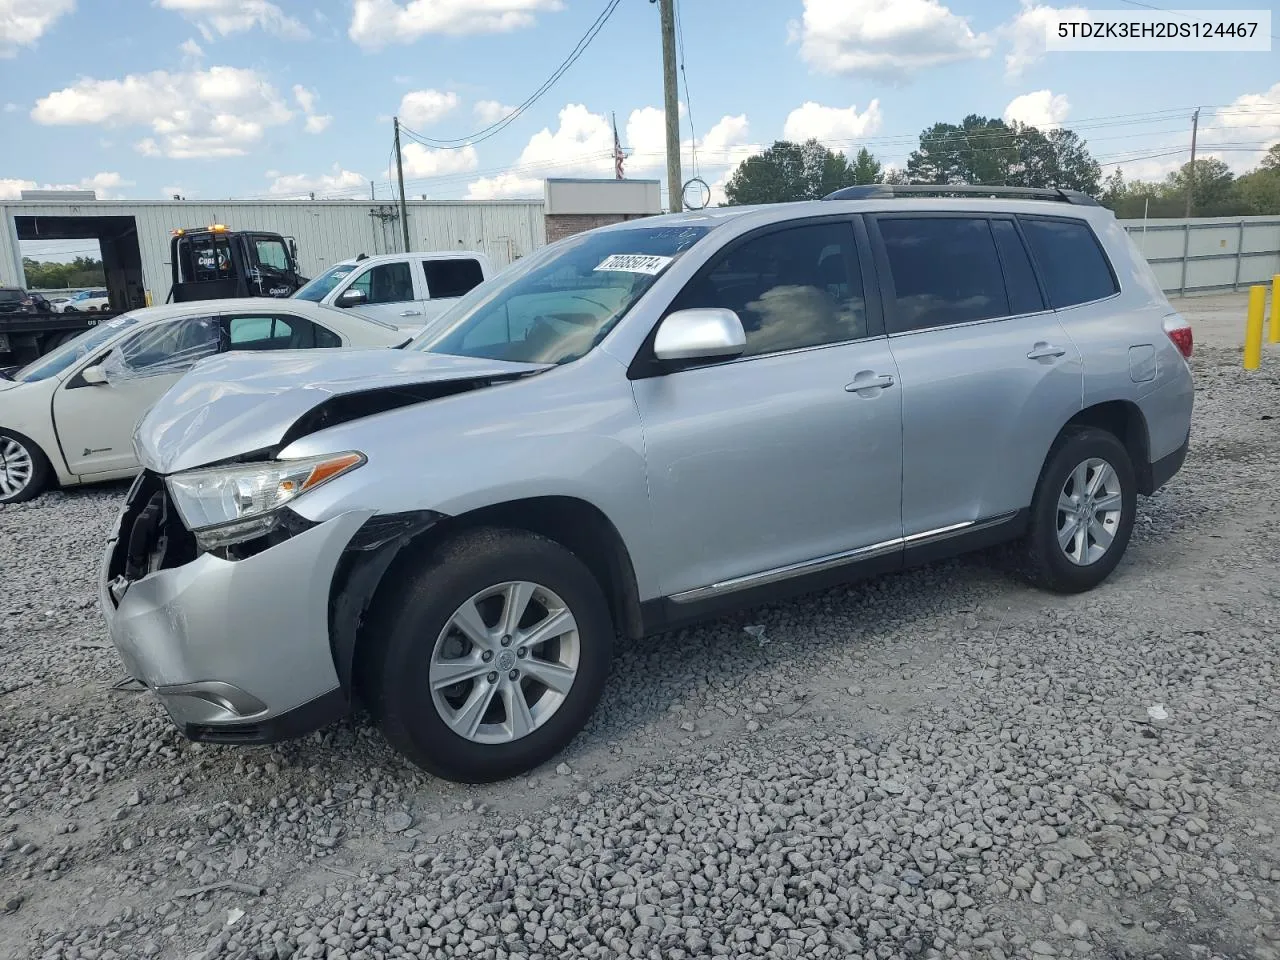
[69, 310]
[17, 484]
[1080, 454]
[413, 640]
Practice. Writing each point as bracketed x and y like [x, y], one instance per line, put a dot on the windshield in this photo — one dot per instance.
[557, 305]
[10, 294]
[319, 288]
[52, 364]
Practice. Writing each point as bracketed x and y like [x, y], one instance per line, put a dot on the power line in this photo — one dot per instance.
[1138, 3]
[688, 100]
[458, 143]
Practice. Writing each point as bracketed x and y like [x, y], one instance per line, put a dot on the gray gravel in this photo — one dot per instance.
[942, 763]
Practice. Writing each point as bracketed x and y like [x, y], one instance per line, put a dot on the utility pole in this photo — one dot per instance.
[1191, 170]
[675, 184]
[404, 209]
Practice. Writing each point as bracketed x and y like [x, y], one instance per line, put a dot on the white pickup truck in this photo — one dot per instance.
[407, 289]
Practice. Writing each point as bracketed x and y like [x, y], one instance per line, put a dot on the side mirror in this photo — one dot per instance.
[95, 375]
[705, 333]
[351, 297]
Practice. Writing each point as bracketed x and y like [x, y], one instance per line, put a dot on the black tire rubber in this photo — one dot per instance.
[405, 621]
[1041, 558]
[40, 469]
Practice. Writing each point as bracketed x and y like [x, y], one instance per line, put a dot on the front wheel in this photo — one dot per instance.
[1083, 512]
[489, 657]
[24, 471]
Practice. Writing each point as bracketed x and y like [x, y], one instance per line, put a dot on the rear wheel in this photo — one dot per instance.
[24, 471]
[1083, 512]
[489, 657]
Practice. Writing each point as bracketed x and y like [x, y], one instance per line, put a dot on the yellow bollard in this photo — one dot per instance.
[1253, 327]
[1275, 309]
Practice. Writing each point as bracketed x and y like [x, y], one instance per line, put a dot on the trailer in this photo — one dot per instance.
[26, 336]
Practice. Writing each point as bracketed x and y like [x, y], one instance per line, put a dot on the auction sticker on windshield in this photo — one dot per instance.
[634, 263]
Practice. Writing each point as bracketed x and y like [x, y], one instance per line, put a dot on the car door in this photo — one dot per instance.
[392, 291]
[95, 421]
[448, 278]
[788, 458]
[988, 374]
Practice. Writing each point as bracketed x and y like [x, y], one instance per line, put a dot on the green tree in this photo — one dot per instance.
[796, 171]
[1213, 186]
[46, 275]
[866, 168]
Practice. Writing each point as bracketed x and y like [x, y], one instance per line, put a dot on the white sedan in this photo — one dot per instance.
[68, 417]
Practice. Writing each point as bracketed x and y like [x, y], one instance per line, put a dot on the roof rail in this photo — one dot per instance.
[889, 191]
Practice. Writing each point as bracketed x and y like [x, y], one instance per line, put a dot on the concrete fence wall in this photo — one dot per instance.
[1209, 254]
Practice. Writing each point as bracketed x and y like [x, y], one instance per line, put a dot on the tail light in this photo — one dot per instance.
[1178, 330]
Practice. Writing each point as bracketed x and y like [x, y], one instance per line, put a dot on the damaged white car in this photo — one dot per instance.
[68, 417]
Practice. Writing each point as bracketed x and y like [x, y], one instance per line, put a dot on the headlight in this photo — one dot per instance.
[225, 505]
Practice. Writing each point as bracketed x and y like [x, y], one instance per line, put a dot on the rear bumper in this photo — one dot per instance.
[235, 651]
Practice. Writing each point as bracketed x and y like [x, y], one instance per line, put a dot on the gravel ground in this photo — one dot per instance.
[940, 763]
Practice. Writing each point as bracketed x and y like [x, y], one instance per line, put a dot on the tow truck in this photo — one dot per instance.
[206, 263]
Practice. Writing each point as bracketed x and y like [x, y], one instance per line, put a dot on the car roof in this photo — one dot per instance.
[764, 213]
[426, 254]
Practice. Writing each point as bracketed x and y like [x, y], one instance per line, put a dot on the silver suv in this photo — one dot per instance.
[640, 427]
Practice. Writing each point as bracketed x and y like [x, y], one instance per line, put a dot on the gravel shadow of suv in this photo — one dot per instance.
[636, 428]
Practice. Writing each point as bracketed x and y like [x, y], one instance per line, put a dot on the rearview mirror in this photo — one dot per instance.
[704, 333]
[351, 297]
[94, 375]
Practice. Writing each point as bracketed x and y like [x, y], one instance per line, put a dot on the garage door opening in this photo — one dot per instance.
[117, 239]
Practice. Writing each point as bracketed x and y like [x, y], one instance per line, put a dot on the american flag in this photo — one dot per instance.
[617, 151]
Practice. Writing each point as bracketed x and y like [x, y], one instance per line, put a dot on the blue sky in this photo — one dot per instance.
[254, 98]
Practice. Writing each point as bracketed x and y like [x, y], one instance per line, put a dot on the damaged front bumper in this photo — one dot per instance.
[237, 650]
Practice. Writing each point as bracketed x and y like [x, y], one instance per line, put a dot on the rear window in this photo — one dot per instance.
[1072, 265]
[451, 278]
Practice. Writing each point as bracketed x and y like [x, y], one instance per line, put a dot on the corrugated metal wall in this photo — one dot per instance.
[326, 230]
[1209, 253]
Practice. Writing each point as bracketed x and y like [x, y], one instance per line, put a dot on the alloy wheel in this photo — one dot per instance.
[16, 467]
[504, 662]
[1089, 509]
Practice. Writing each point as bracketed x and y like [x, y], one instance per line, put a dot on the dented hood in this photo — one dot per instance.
[242, 403]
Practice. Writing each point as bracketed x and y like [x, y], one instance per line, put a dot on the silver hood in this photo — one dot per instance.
[241, 403]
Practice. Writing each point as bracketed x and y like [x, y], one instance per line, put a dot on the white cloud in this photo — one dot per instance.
[1252, 118]
[1040, 108]
[217, 112]
[191, 49]
[884, 38]
[491, 111]
[831, 123]
[105, 184]
[236, 16]
[23, 22]
[316, 122]
[582, 145]
[421, 162]
[337, 183]
[420, 108]
[11, 188]
[1026, 33]
[376, 23]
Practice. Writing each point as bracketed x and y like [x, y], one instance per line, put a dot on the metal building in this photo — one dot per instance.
[134, 234]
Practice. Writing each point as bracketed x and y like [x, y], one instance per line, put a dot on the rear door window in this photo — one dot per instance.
[1019, 275]
[451, 278]
[945, 270]
[1071, 261]
[276, 332]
